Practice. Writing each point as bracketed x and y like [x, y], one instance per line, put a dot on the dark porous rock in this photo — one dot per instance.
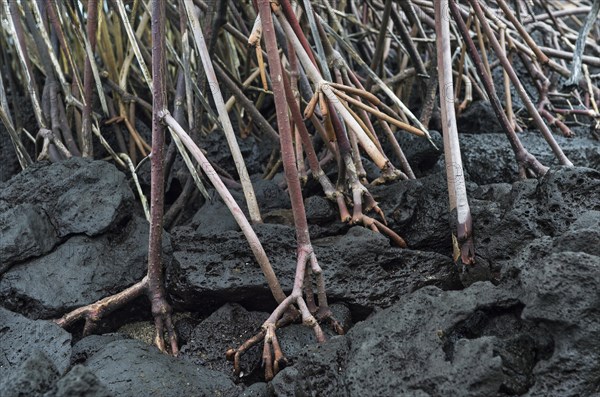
[132, 368]
[185, 323]
[10, 162]
[505, 220]
[48, 203]
[270, 195]
[420, 153]
[418, 211]
[296, 338]
[561, 279]
[319, 371]
[520, 344]
[78, 382]
[279, 217]
[488, 158]
[565, 192]
[319, 210]
[90, 345]
[79, 271]
[478, 118]
[20, 337]
[565, 296]
[505, 217]
[33, 377]
[213, 218]
[535, 334]
[220, 268]
[228, 327]
[582, 236]
[372, 171]
[25, 232]
[430, 343]
[258, 389]
[80, 196]
[232, 325]
[342, 314]
[360, 268]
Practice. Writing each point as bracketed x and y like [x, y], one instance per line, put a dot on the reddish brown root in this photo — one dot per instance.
[285, 313]
[362, 197]
[93, 313]
[163, 321]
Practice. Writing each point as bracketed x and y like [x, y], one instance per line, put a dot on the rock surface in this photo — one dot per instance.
[488, 158]
[79, 382]
[561, 279]
[46, 204]
[26, 232]
[361, 267]
[232, 325]
[132, 368]
[421, 155]
[57, 221]
[20, 337]
[478, 118]
[79, 196]
[423, 326]
[228, 327]
[33, 377]
[481, 341]
[527, 336]
[79, 271]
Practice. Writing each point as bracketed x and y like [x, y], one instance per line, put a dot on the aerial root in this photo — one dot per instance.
[94, 312]
[162, 322]
[363, 198]
[290, 310]
[273, 359]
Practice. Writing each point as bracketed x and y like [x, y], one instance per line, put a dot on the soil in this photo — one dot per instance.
[525, 320]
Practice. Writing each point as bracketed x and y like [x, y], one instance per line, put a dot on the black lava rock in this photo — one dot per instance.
[21, 337]
[78, 382]
[361, 267]
[131, 368]
[33, 377]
